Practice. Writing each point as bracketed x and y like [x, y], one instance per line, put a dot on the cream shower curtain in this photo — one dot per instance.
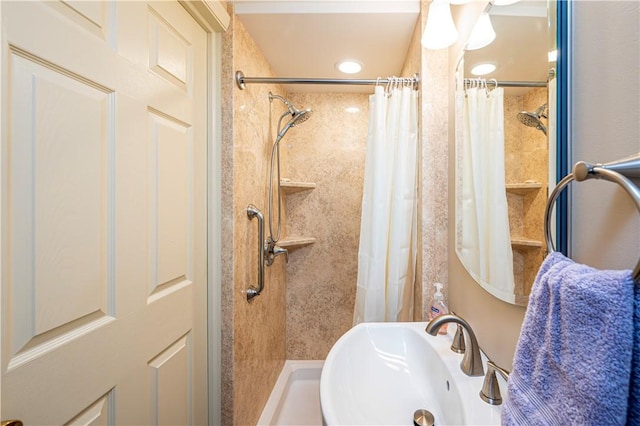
[485, 242]
[388, 228]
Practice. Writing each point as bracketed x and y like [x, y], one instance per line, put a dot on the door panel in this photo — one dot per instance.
[104, 214]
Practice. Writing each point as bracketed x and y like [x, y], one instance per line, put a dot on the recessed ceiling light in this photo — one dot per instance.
[483, 69]
[349, 67]
[352, 110]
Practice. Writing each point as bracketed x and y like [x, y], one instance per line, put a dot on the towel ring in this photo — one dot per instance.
[583, 171]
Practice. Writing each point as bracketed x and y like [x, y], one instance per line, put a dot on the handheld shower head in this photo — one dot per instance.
[532, 119]
[297, 116]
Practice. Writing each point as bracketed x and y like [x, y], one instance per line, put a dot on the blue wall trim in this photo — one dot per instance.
[563, 76]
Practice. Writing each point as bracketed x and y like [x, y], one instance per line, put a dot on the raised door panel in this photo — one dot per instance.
[170, 53]
[58, 228]
[170, 188]
[100, 413]
[170, 384]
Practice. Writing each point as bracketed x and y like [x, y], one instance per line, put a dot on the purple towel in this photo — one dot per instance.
[633, 413]
[572, 364]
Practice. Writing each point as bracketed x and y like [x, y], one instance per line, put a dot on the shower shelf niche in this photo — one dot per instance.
[519, 243]
[289, 187]
[523, 188]
[292, 243]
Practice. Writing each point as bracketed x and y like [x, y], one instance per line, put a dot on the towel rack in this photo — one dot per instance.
[617, 171]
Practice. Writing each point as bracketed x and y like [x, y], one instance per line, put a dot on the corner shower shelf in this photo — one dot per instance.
[523, 188]
[292, 243]
[290, 187]
[519, 243]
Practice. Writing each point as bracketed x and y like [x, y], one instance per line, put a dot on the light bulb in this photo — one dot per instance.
[482, 34]
[440, 31]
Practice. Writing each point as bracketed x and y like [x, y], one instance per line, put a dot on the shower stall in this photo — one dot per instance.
[307, 303]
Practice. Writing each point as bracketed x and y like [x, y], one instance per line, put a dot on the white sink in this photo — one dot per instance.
[381, 373]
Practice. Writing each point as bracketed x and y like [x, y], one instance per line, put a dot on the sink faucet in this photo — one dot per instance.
[471, 363]
[490, 392]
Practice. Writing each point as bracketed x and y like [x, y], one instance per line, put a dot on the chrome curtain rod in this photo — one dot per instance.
[510, 83]
[242, 81]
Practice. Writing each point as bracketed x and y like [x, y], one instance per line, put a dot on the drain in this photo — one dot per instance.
[423, 418]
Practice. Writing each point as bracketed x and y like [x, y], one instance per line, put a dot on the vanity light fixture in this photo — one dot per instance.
[349, 67]
[504, 2]
[482, 34]
[483, 69]
[440, 31]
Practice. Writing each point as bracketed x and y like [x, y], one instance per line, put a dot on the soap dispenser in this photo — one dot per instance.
[438, 307]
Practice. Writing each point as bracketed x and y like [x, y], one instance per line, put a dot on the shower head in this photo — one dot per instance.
[301, 116]
[532, 119]
[297, 116]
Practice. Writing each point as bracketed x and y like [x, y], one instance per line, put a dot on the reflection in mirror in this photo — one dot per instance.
[505, 166]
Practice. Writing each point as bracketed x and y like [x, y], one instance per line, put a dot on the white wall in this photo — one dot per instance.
[605, 126]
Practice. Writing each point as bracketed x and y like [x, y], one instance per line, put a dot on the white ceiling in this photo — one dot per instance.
[306, 38]
[520, 49]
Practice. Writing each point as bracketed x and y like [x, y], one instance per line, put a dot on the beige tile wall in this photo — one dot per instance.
[329, 149]
[526, 158]
[253, 334]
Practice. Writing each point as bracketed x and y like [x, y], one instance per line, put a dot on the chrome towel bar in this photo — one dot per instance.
[617, 171]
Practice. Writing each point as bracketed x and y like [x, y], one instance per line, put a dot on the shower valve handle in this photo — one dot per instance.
[271, 250]
[277, 251]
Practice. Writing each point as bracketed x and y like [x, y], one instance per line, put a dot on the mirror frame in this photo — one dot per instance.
[563, 76]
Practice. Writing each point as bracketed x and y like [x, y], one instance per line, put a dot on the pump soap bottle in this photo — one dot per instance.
[438, 307]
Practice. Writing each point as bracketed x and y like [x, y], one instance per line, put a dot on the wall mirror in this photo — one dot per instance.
[508, 153]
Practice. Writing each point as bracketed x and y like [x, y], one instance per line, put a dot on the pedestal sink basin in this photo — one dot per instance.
[381, 373]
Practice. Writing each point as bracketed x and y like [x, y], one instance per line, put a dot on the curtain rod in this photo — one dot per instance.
[510, 83]
[242, 81]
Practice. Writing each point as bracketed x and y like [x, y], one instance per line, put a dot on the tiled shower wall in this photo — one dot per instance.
[329, 150]
[304, 316]
[253, 334]
[526, 158]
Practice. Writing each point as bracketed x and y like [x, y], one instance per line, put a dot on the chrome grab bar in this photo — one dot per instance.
[253, 211]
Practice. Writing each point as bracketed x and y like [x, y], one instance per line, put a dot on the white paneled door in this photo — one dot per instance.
[103, 230]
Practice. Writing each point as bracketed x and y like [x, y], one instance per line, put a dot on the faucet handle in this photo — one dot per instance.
[458, 345]
[490, 392]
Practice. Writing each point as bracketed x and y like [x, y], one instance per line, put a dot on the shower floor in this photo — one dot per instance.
[295, 398]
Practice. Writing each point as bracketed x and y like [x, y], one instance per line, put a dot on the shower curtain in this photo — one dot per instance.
[388, 227]
[485, 242]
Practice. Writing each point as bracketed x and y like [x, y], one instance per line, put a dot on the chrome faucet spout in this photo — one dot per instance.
[471, 363]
